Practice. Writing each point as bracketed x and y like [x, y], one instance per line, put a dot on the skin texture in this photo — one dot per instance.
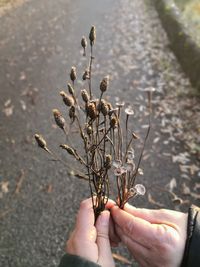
[91, 241]
[155, 238]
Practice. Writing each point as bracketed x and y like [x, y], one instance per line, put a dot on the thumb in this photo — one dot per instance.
[103, 242]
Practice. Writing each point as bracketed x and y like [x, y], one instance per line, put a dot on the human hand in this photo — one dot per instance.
[91, 241]
[156, 238]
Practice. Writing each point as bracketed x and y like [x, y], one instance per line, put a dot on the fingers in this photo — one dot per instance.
[103, 243]
[114, 238]
[133, 226]
[85, 221]
[162, 216]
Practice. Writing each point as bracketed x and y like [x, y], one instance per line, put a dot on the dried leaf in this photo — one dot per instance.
[171, 185]
[19, 182]
[4, 186]
[121, 258]
[185, 189]
[8, 111]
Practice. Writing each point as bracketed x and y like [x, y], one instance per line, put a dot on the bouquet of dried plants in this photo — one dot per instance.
[107, 144]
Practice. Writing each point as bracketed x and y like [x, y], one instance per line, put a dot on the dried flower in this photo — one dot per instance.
[91, 110]
[60, 121]
[68, 100]
[104, 84]
[119, 171]
[140, 171]
[70, 89]
[88, 129]
[72, 113]
[85, 95]
[92, 35]
[40, 141]
[117, 163]
[84, 44]
[120, 104]
[129, 111]
[113, 122]
[86, 75]
[108, 161]
[103, 107]
[129, 166]
[73, 74]
[130, 154]
[140, 189]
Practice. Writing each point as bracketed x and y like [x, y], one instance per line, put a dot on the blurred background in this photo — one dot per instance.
[39, 42]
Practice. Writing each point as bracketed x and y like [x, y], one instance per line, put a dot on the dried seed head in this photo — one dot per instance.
[68, 100]
[108, 161]
[132, 192]
[113, 122]
[85, 95]
[103, 107]
[120, 104]
[140, 189]
[86, 75]
[72, 113]
[92, 35]
[84, 42]
[73, 74]
[60, 121]
[70, 150]
[40, 141]
[104, 84]
[88, 129]
[70, 89]
[91, 110]
[129, 111]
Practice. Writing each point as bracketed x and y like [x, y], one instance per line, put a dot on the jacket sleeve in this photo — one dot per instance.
[69, 260]
[191, 256]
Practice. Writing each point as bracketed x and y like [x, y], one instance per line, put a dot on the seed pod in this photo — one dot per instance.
[113, 122]
[108, 161]
[40, 141]
[104, 84]
[70, 150]
[109, 106]
[88, 129]
[68, 100]
[86, 75]
[84, 44]
[85, 95]
[60, 121]
[91, 110]
[72, 113]
[104, 107]
[73, 74]
[92, 35]
[70, 89]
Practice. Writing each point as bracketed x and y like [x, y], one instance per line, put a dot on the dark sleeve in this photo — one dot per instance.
[69, 260]
[191, 256]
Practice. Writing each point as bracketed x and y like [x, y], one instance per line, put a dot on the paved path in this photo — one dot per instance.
[39, 42]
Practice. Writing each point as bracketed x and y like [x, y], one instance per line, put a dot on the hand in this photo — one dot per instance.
[89, 241]
[156, 238]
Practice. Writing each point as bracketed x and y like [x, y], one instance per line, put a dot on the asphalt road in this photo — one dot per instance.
[39, 42]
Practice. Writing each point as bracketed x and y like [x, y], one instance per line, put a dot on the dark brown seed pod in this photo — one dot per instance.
[108, 161]
[92, 35]
[85, 95]
[70, 89]
[40, 141]
[84, 44]
[91, 110]
[113, 122]
[73, 74]
[60, 121]
[104, 84]
[72, 113]
[86, 75]
[68, 100]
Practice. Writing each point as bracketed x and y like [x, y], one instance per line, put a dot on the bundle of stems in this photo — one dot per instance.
[107, 144]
